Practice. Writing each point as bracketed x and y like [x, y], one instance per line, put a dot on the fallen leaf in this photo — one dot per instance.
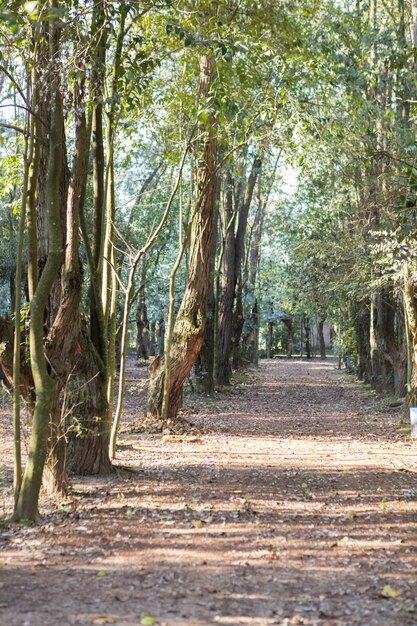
[102, 572]
[390, 592]
[103, 619]
[148, 620]
[198, 523]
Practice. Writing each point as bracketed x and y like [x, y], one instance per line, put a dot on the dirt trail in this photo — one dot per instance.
[296, 505]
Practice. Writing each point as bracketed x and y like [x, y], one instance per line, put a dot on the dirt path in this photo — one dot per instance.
[296, 505]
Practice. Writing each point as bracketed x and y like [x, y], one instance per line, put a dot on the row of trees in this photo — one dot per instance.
[348, 244]
[214, 166]
[188, 97]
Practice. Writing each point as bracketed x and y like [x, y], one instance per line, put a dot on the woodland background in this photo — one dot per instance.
[215, 181]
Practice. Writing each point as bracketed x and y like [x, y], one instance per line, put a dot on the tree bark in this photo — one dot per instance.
[250, 340]
[204, 367]
[227, 286]
[243, 212]
[142, 322]
[289, 324]
[391, 339]
[188, 332]
[27, 504]
[322, 342]
[270, 340]
[97, 322]
[80, 407]
[307, 338]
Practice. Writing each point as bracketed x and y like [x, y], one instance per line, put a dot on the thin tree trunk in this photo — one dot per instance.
[152, 338]
[142, 322]
[127, 305]
[289, 324]
[270, 339]
[227, 286]
[97, 318]
[243, 212]
[391, 340]
[322, 342]
[307, 336]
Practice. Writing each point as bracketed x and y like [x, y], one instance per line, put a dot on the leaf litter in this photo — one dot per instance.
[282, 500]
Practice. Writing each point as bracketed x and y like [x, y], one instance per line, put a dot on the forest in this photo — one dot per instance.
[202, 199]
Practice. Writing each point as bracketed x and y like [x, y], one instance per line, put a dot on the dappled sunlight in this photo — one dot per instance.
[261, 519]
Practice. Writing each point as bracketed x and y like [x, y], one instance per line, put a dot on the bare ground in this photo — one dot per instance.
[293, 501]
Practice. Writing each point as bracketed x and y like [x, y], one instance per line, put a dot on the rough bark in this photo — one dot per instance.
[152, 338]
[79, 414]
[160, 336]
[204, 367]
[362, 323]
[142, 322]
[377, 359]
[391, 340]
[142, 330]
[227, 286]
[26, 385]
[307, 336]
[243, 212]
[250, 338]
[97, 322]
[322, 343]
[410, 304]
[270, 340]
[289, 324]
[27, 504]
[188, 332]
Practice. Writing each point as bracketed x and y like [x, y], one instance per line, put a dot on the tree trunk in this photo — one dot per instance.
[377, 359]
[410, 304]
[27, 504]
[250, 340]
[142, 322]
[80, 407]
[238, 323]
[289, 324]
[270, 339]
[362, 323]
[97, 322]
[243, 212]
[152, 338]
[188, 332]
[307, 331]
[160, 336]
[142, 330]
[322, 342]
[204, 367]
[227, 286]
[391, 340]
